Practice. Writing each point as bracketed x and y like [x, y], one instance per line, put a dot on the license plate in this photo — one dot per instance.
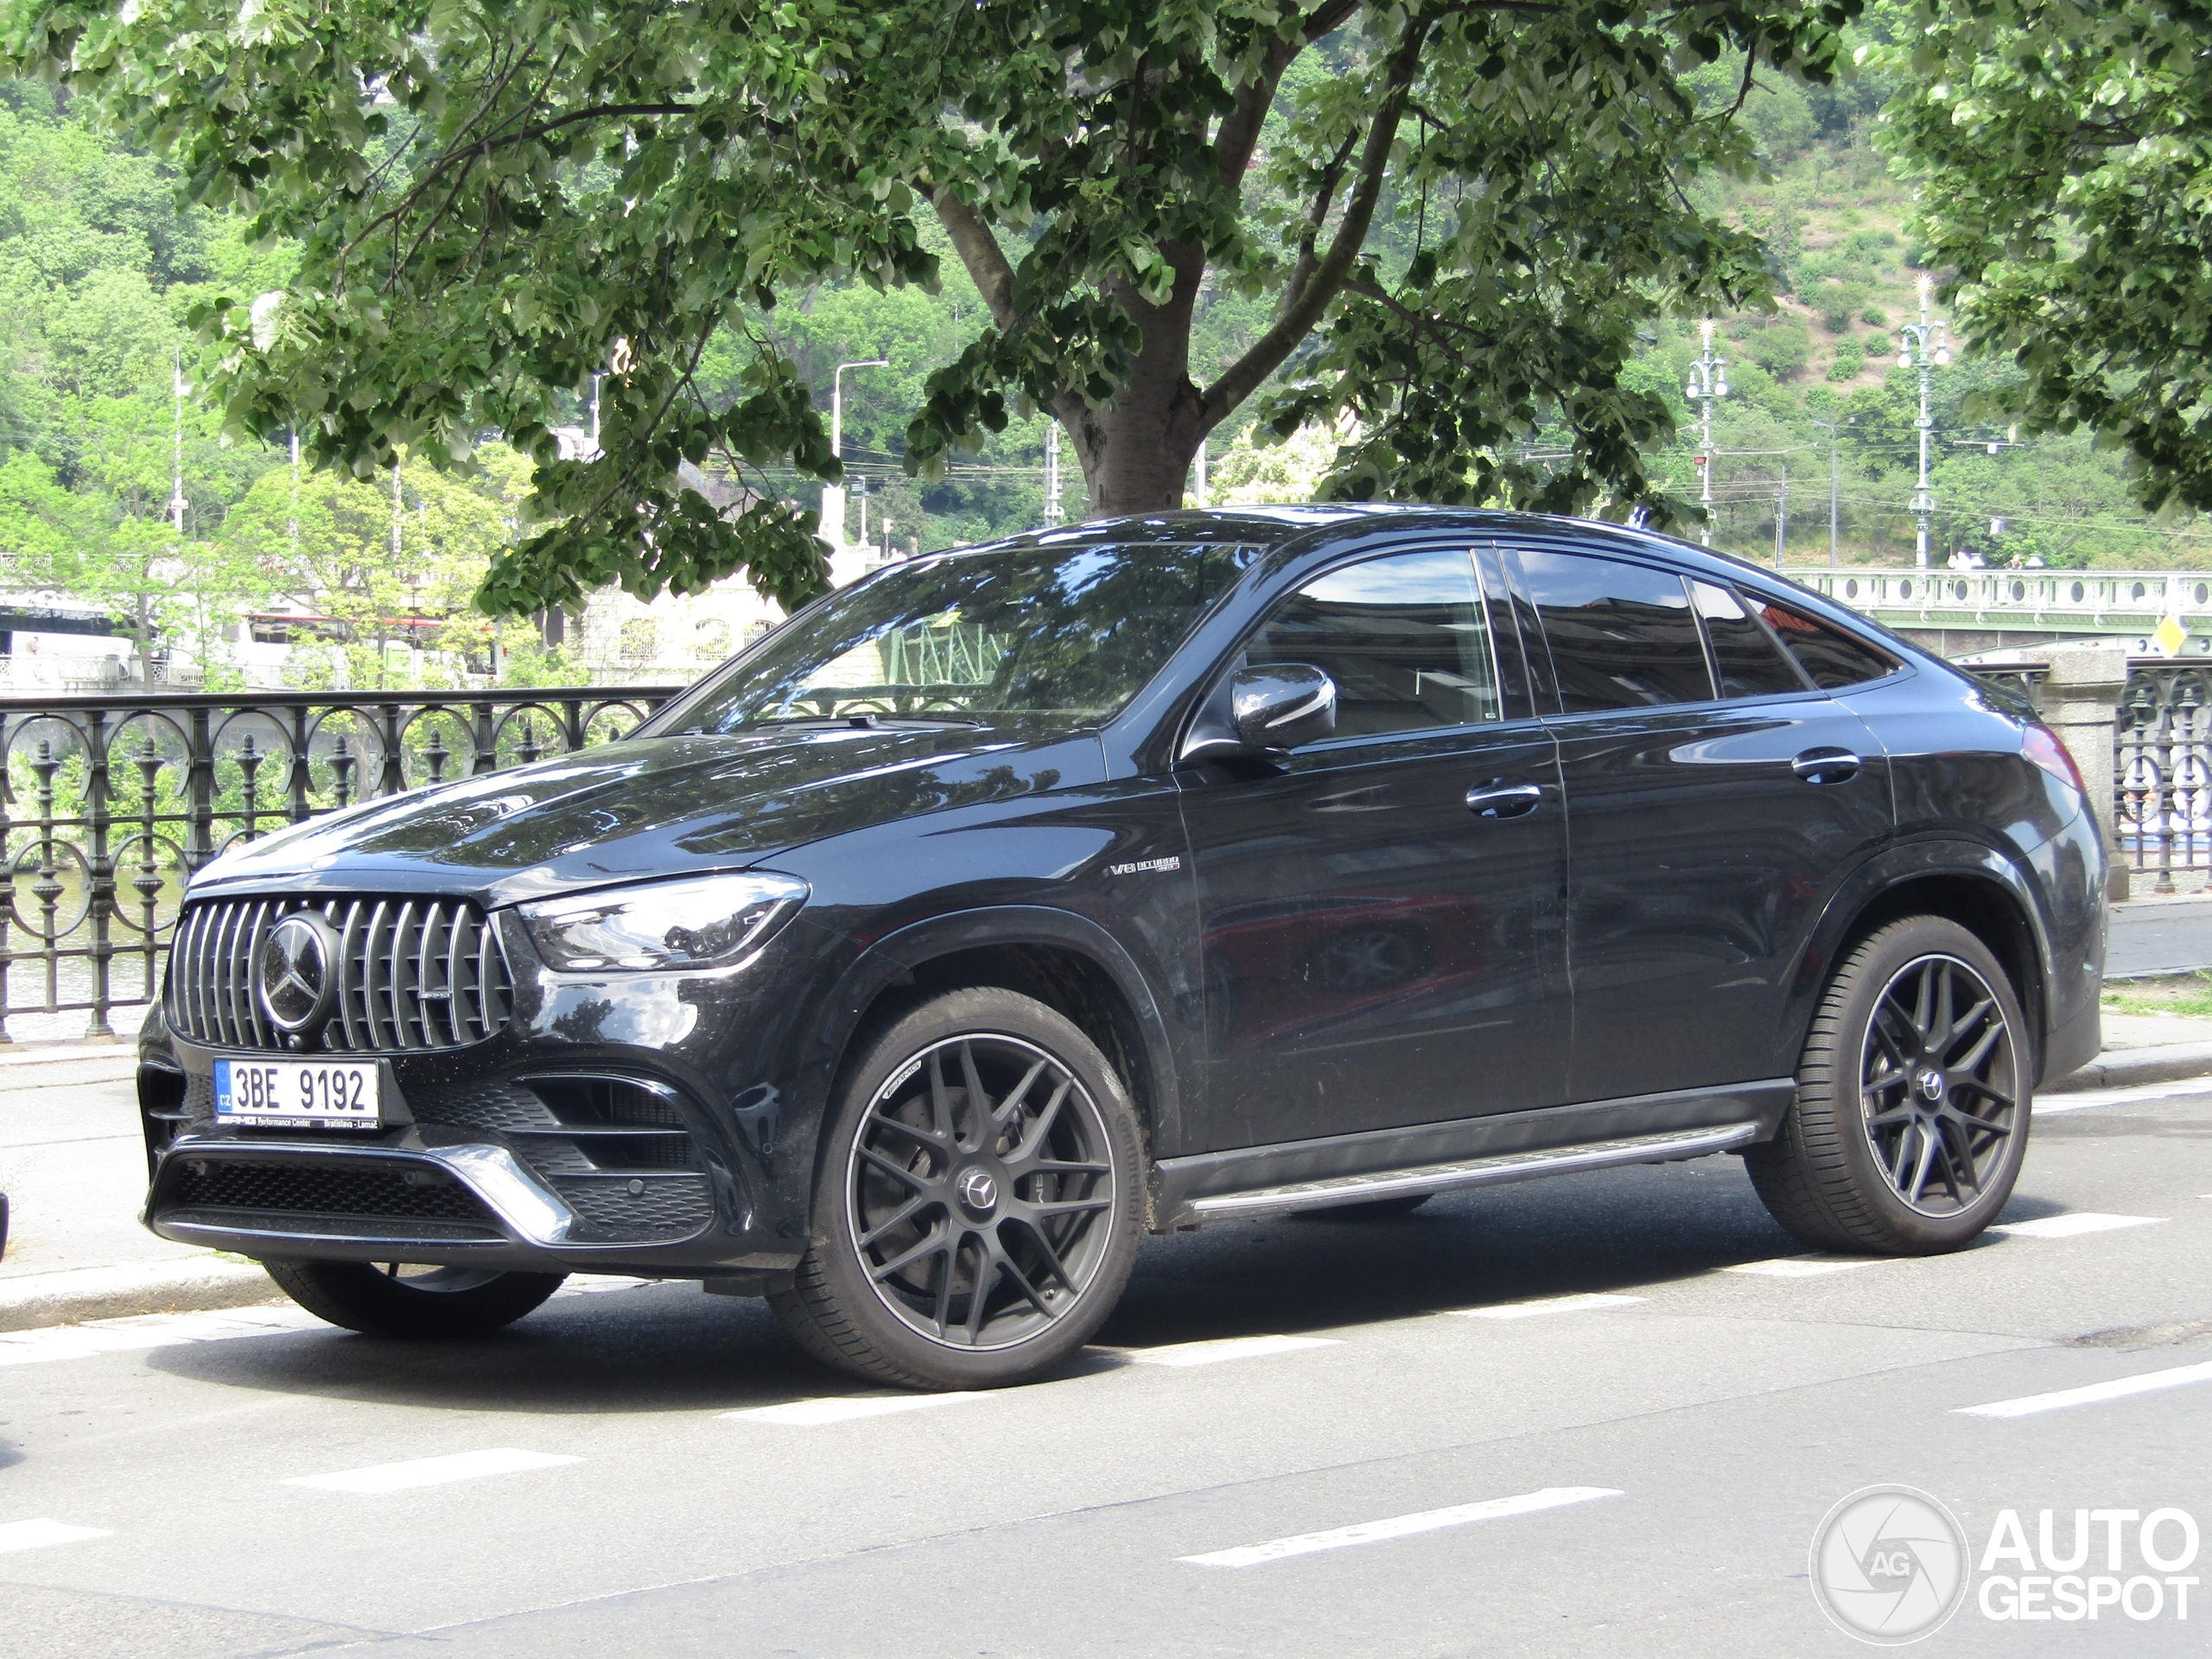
[298, 1094]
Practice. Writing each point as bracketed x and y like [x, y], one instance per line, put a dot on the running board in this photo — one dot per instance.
[1478, 1172]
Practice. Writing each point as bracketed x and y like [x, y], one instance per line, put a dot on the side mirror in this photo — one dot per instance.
[1263, 713]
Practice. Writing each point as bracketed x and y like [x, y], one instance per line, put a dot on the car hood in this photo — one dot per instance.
[653, 806]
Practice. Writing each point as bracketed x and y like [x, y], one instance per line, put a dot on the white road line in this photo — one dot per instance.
[2077, 1102]
[1401, 1526]
[36, 1535]
[432, 1471]
[2146, 1382]
[845, 1409]
[141, 1331]
[1804, 1267]
[2072, 1224]
[1536, 1310]
[1223, 1348]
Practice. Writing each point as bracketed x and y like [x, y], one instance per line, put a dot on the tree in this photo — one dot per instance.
[2061, 150]
[1474, 202]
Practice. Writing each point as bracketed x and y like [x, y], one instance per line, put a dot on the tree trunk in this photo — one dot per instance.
[1136, 454]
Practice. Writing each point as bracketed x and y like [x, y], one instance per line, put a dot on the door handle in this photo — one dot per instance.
[1826, 765]
[1517, 801]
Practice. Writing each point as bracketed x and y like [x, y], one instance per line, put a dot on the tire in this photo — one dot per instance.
[907, 1175]
[1371, 1209]
[434, 1304]
[1911, 1115]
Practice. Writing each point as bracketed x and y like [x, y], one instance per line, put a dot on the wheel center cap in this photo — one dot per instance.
[1929, 1081]
[979, 1193]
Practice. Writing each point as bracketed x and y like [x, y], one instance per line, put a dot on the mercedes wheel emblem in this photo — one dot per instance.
[979, 1192]
[296, 976]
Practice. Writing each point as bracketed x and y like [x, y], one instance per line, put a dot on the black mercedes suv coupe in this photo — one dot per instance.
[1017, 899]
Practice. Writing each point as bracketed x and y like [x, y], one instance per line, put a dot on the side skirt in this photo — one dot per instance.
[1469, 1152]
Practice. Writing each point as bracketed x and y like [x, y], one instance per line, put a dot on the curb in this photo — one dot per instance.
[32, 1301]
[2120, 1068]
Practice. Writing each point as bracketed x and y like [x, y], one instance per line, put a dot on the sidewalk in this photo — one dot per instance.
[74, 1170]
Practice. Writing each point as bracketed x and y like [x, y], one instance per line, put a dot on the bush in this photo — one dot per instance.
[1835, 316]
[1875, 317]
[1850, 361]
[1782, 348]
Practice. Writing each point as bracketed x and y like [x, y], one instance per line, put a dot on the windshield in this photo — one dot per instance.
[1073, 632]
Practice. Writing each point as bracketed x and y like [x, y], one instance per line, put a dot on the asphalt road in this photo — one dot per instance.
[647, 1470]
[2159, 937]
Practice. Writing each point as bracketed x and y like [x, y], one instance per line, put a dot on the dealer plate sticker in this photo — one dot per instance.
[298, 1094]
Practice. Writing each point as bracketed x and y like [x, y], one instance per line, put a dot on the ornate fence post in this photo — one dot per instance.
[200, 793]
[394, 777]
[299, 779]
[487, 742]
[148, 882]
[100, 874]
[2080, 699]
[47, 889]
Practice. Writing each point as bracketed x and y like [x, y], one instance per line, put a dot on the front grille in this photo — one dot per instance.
[323, 1189]
[412, 973]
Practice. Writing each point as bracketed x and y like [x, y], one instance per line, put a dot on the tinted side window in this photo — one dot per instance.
[1621, 635]
[1743, 653]
[1832, 656]
[1405, 637]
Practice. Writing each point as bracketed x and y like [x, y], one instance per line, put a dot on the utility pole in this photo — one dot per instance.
[1834, 494]
[595, 380]
[1782, 517]
[1198, 496]
[1923, 342]
[177, 484]
[833, 495]
[860, 490]
[1053, 513]
[1708, 382]
[292, 523]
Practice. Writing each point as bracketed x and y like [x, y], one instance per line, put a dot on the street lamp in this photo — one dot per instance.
[1923, 342]
[1708, 382]
[833, 495]
[1829, 427]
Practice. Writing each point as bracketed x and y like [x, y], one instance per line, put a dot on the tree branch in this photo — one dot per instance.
[1303, 310]
[1240, 130]
[979, 251]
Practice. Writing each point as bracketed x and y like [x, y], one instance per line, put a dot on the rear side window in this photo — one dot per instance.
[1622, 636]
[1406, 638]
[1832, 656]
[1745, 656]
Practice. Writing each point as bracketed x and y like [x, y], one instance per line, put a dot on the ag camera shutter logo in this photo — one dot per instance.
[1890, 1565]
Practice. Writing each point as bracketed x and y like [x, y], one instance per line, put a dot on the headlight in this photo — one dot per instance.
[700, 922]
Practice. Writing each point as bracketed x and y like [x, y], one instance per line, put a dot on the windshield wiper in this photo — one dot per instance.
[865, 722]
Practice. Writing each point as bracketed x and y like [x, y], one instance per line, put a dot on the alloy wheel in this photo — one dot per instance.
[979, 1189]
[1938, 1081]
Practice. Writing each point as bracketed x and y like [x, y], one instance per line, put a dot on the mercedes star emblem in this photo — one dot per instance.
[295, 976]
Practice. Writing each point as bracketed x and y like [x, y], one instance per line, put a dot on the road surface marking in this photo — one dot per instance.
[845, 1407]
[36, 1535]
[2147, 1382]
[1547, 1304]
[2072, 1224]
[1401, 1526]
[2082, 1101]
[432, 1471]
[1222, 1348]
[1804, 1267]
[141, 1330]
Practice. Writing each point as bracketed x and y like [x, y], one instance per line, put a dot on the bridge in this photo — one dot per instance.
[1972, 613]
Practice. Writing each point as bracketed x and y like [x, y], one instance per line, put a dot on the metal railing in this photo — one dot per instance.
[2162, 764]
[109, 804]
[2162, 784]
